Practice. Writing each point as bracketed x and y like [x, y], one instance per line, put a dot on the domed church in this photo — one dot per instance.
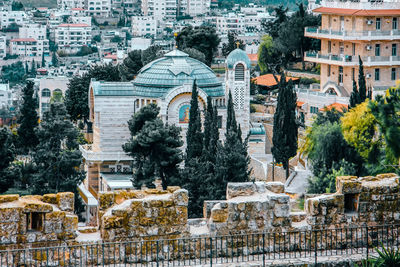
[167, 82]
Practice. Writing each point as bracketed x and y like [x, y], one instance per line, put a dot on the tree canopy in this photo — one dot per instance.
[6, 156]
[232, 44]
[131, 65]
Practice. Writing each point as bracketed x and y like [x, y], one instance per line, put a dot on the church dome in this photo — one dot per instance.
[235, 56]
[175, 69]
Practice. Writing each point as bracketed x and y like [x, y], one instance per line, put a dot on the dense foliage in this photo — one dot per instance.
[13, 73]
[232, 44]
[6, 156]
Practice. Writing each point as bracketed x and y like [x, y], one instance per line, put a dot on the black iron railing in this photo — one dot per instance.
[201, 251]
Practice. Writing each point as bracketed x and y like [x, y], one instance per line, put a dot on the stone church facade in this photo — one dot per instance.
[167, 82]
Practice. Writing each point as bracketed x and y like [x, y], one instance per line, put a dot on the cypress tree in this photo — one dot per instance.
[362, 85]
[28, 120]
[43, 61]
[355, 96]
[230, 117]
[33, 67]
[194, 136]
[285, 127]
[26, 67]
[54, 60]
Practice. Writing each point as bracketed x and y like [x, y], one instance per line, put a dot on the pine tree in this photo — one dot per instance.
[194, 136]
[54, 60]
[285, 127]
[355, 96]
[26, 67]
[43, 61]
[33, 67]
[28, 120]
[7, 156]
[362, 85]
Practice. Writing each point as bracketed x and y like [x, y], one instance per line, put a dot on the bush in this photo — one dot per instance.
[10, 57]
[388, 257]
[308, 81]
[253, 108]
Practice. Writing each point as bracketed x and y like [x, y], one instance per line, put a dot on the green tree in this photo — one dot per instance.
[116, 39]
[43, 61]
[33, 67]
[194, 136]
[203, 38]
[151, 53]
[57, 156]
[6, 156]
[154, 147]
[54, 59]
[196, 54]
[285, 126]
[232, 44]
[131, 65]
[17, 6]
[273, 27]
[28, 120]
[269, 56]
[14, 73]
[362, 85]
[76, 96]
[96, 38]
[354, 97]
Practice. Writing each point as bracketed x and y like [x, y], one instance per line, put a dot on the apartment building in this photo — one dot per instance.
[160, 9]
[99, 8]
[51, 87]
[3, 45]
[71, 37]
[10, 17]
[144, 25]
[37, 32]
[197, 7]
[68, 4]
[231, 22]
[349, 30]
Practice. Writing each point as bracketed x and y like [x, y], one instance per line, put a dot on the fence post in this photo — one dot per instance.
[366, 231]
[263, 240]
[157, 253]
[211, 252]
[102, 246]
[315, 248]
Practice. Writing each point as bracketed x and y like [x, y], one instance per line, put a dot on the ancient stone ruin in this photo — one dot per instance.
[31, 219]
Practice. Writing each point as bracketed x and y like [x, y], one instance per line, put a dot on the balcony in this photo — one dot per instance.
[319, 33]
[348, 60]
[360, 4]
[99, 156]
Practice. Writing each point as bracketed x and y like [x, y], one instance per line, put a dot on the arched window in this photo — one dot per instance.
[57, 95]
[57, 92]
[46, 92]
[239, 72]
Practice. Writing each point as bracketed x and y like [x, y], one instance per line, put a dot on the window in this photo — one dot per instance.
[329, 47]
[239, 72]
[46, 92]
[219, 122]
[353, 74]
[378, 23]
[329, 70]
[394, 24]
[377, 50]
[313, 109]
[394, 50]
[340, 74]
[350, 202]
[34, 221]
[393, 75]
[354, 49]
[377, 74]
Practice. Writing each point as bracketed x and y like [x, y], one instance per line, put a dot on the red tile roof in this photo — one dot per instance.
[357, 12]
[337, 106]
[73, 25]
[78, 8]
[269, 80]
[253, 57]
[111, 56]
[23, 40]
[299, 104]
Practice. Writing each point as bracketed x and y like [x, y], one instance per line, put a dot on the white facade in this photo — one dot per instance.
[3, 46]
[99, 8]
[48, 87]
[140, 43]
[6, 95]
[231, 22]
[37, 32]
[72, 36]
[144, 25]
[67, 4]
[198, 7]
[10, 17]
[81, 20]
[160, 9]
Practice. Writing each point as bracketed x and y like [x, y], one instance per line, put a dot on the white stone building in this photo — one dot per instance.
[3, 45]
[99, 8]
[160, 9]
[231, 22]
[71, 37]
[6, 95]
[144, 25]
[48, 87]
[37, 32]
[167, 82]
[196, 7]
[68, 4]
[10, 17]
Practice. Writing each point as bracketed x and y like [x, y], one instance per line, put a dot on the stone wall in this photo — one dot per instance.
[357, 201]
[144, 214]
[30, 219]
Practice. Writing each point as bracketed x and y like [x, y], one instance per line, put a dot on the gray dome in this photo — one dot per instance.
[235, 56]
[175, 69]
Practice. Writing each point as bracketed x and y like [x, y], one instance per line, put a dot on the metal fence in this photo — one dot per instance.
[208, 251]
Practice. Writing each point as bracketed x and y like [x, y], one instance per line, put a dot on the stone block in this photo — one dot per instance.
[282, 210]
[219, 214]
[240, 189]
[50, 198]
[276, 187]
[10, 215]
[106, 200]
[181, 197]
[8, 198]
[65, 201]
[348, 185]
[37, 207]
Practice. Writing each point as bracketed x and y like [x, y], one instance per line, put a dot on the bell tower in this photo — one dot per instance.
[237, 81]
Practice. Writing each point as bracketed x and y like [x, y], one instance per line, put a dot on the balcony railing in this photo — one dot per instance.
[90, 155]
[352, 60]
[352, 35]
[361, 4]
